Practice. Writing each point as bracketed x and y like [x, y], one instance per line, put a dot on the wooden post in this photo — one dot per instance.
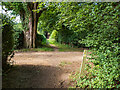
[82, 68]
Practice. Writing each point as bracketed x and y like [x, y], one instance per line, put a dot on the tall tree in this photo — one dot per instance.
[29, 14]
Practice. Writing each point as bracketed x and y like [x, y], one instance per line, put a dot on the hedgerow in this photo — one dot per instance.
[7, 41]
[104, 38]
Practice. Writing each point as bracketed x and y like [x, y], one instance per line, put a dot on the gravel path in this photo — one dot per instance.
[42, 69]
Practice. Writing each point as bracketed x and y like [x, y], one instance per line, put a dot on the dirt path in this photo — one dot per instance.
[42, 69]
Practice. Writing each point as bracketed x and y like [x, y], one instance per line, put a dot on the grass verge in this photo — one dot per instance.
[36, 49]
[66, 48]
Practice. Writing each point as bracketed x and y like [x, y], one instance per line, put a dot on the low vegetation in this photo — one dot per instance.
[36, 49]
[65, 47]
[64, 63]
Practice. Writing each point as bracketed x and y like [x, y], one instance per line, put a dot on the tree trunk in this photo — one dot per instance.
[27, 43]
[26, 39]
[27, 14]
[31, 30]
[30, 34]
[35, 25]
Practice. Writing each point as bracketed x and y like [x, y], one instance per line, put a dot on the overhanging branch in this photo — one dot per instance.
[40, 12]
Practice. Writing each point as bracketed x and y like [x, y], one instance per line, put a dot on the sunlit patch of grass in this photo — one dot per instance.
[66, 48]
[51, 41]
[70, 49]
[63, 63]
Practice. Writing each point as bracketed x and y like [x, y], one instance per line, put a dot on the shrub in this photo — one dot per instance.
[53, 36]
[105, 41]
[40, 40]
[19, 36]
[7, 40]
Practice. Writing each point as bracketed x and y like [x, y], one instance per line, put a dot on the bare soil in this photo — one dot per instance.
[42, 69]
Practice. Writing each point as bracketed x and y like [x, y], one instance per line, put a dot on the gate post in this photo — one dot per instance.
[82, 68]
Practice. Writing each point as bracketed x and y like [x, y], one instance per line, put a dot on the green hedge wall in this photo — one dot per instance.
[104, 38]
[7, 40]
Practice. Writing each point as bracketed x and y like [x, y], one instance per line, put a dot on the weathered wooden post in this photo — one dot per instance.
[82, 68]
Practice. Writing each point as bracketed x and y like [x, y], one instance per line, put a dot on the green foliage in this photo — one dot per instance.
[94, 25]
[19, 8]
[7, 40]
[65, 48]
[53, 36]
[62, 18]
[19, 36]
[40, 40]
[36, 49]
[104, 38]
[48, 18]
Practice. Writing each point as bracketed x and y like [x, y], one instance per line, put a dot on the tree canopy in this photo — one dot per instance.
[29, 14]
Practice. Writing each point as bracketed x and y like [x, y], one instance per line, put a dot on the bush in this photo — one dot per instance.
[7, 40]
[40, 40]
[19, 36]
[105, 41]
[53, 36]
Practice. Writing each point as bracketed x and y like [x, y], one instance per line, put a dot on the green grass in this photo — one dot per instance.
[51, 41]
[63, 63]
[64, 48]
[70, 49]
[61, 47]
[36, 49]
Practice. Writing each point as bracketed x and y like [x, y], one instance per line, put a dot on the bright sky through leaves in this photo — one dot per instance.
[17, 19]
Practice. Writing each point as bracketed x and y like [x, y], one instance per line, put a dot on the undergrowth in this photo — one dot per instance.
[64, 47]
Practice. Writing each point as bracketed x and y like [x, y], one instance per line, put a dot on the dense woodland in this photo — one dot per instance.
[94, 25]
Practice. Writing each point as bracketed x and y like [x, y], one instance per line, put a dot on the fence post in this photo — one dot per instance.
[82, 68]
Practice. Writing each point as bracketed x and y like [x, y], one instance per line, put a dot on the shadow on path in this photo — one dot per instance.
[32, 76]
[42, 70]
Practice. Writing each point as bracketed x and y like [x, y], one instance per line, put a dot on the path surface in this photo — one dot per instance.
[42, 69]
